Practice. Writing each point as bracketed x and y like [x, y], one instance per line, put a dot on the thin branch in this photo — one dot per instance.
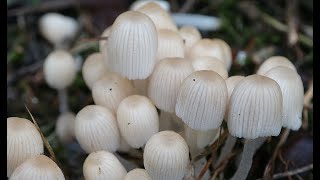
[293, 172]
[223, 164]
[205, 168]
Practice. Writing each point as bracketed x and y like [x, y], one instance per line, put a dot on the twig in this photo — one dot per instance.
[222, 165]
[187, 6]
[205, 168]
[293, 172]
[306, 101]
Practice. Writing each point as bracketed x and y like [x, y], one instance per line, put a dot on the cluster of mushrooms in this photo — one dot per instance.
[161, 89]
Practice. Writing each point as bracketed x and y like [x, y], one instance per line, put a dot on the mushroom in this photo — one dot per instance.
[137, 119]
[96, 129]
[137, 173]
[65, 127]
[37, 167]
[132, 45]
[170, 44]
[23, 142]
[139, 3]
[166, 156]
[190, 36]
[254, 113]
[209, 63]
[102, 165]
[273, 62]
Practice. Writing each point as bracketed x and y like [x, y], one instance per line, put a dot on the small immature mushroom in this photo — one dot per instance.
[137, 120]
[38, 167]
[139, 3]
[209, 63]
[93, 69]
[202, 100]
[166, 156]
[170, 44]
[103, 165]
[160, 17]
[23, 142]
[132, 45]
[293, 94]
[65, 127]
[96, 129]
[273, 62]
[190, 36]
[137, 173]
[110, 90]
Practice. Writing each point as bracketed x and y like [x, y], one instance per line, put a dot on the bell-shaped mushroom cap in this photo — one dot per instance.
[38, 167]
[57, 28]
[132, 45]
[160, 17]
[139, 3]
[165, 81]
[170, 44]
[190, 36]
[110, 90]
[231, 82]
[59, 69]
[209, 63]
[226, 49]
[23, 142]
[273, 62]
[103, 165]
[166, 156]
[65, 127]
[255, 108]
[202, 100]
[137, 119]
[93, 69]
[292, 93]
[96, 129]
[137, 173]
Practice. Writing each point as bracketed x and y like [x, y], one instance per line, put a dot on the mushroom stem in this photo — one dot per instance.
[226, 149]
[250, 147]
[63, 100]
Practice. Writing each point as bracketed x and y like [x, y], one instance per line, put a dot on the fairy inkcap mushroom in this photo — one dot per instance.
[273, 62]
[139, 3]
[209, 63]
[102, 165]
[137, 173]
[96, 129]
[132, 45]
[65, 127]
[38, 167]
[23, 142]
[137, 120]
[166, 156]
[170, 44]
[190, 36]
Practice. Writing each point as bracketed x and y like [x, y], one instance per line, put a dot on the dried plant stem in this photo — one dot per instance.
[226, 149]
[63, 101]
[291, 173]
[221, 166]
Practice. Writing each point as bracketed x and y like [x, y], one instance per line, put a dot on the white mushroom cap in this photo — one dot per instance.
[93, 69]
[137, 173]
[38, 167]
[96, 129]
[202, 100]
[255, 108]
[137, 119]
[190, 35]
[160, 17]
[292, 92]
[139, 3]
[65, 127]
[59, 69]
[132, 45]
[226, 49]
[165, 81]
[210, 63]
[110, 90]
[166, 156]
[273, 62]
[103, 165]
[170, 44]
[57, 28]
[23, 142]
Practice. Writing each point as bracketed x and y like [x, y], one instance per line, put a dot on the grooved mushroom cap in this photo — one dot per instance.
[96, 129]
[65, 127]
[170, 44]
[273, 62]
[165, 81]
[190, 36]
[255, 108]
[38, 167]
[110, 90]
[166, 156]
[292, 92]
[210, 63]
[160, 17]
[23, 142]
[137, 173]
[59, 69]
[132, 45]
[93, 69]
[103, 165]
[202, 100]
[137, 119]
